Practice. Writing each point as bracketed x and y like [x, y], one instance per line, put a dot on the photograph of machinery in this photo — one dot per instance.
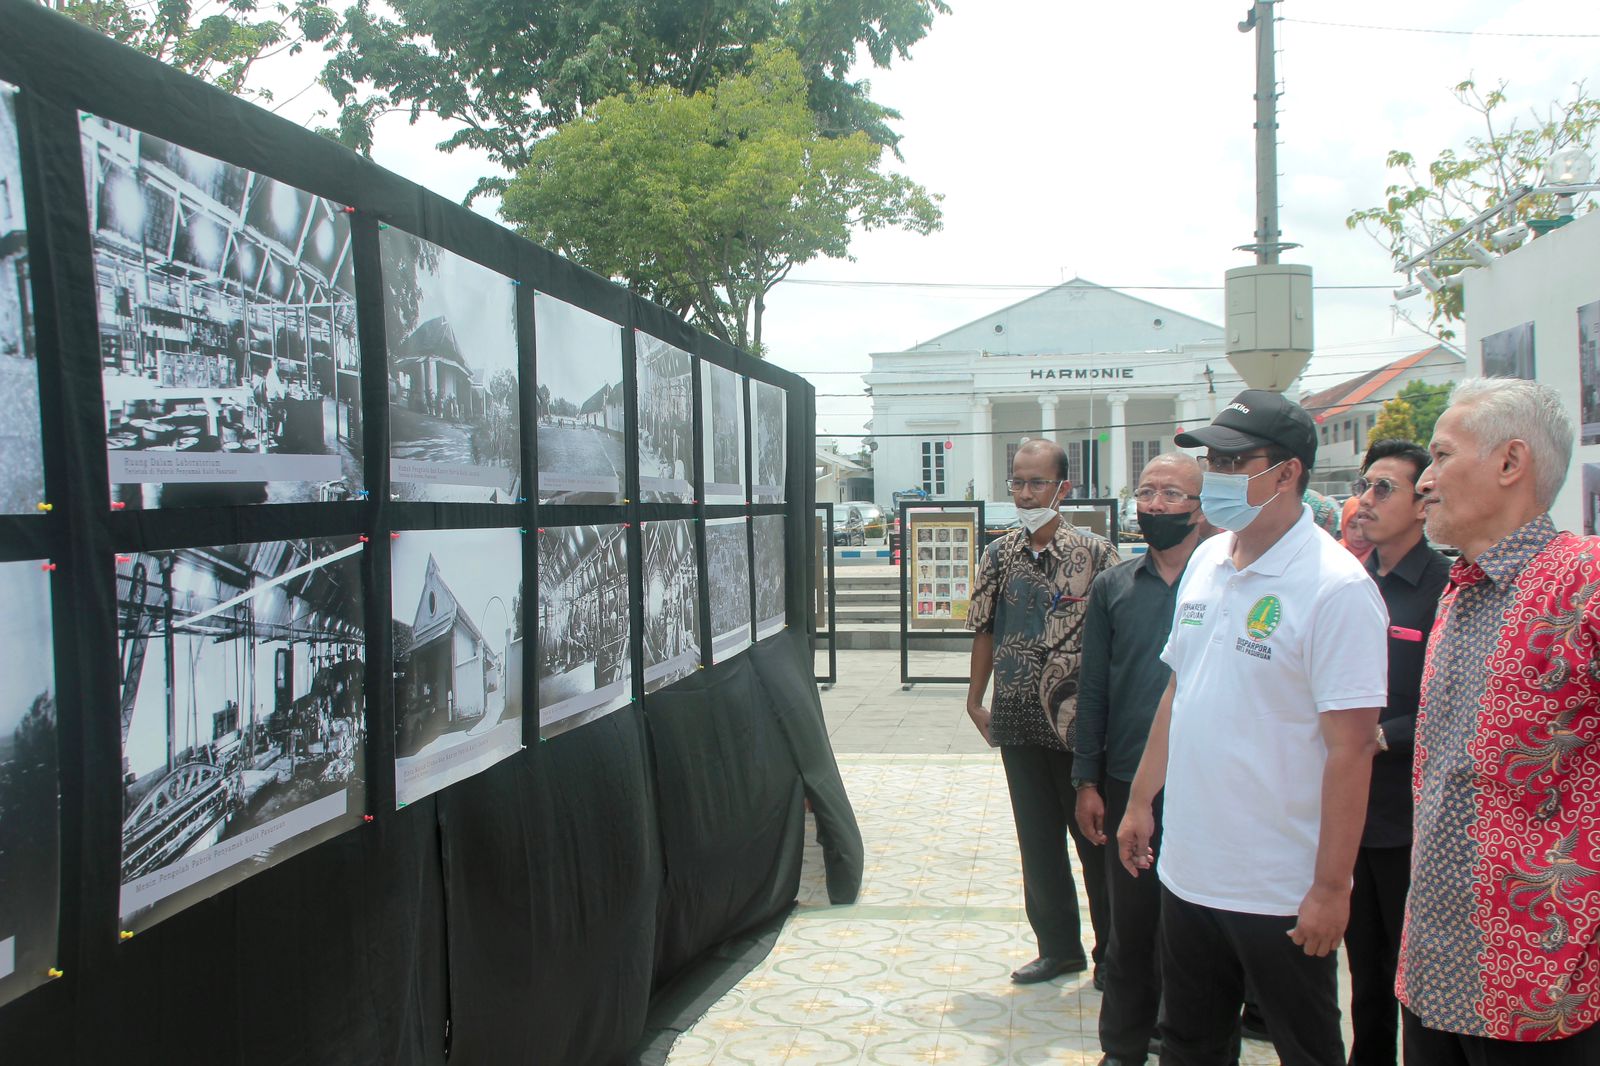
[30, 795]
[226, 308]
[21, 460]
[769, 407]
[770, 608]
[457, 602]
[584, 626]
[579, 404]
[242, 712]
[728, 562]
[450, 326]
[722, 419]
[671, 603]
[666, 420]
[1589, 372]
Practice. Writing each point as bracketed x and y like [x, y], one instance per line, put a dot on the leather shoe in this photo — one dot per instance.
[1097, 980]
[1045, 967]
[1112, 1060]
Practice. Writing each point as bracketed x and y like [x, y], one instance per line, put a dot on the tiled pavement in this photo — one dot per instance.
[917, 971]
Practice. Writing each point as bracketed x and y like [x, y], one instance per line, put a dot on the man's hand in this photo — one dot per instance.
[1133, 838]
[980, 717]
[1091, 813]
[1323, 915]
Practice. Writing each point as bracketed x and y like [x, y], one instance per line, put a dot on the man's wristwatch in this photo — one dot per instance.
[1084, 782]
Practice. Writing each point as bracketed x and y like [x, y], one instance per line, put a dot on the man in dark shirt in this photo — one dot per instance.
[1410, 576]
[1027, 623]
[1120, 686]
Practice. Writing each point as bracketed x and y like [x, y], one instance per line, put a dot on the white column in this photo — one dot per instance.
[982, 449]
[1047, 416]
[1119, 445]
[1192, 412]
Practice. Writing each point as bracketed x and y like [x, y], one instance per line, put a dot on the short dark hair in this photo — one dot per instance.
[1398, 448]
[1063, 467]
[1276, 455]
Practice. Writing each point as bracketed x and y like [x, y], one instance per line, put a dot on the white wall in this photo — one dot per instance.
[1544, 282]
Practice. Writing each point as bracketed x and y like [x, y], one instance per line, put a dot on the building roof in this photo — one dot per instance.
[829, 457]
[424, 629]
[1340, 398]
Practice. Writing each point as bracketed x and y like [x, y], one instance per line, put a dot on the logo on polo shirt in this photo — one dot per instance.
[1264, 617]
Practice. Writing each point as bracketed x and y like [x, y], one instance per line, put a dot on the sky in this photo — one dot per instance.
[1115, 143]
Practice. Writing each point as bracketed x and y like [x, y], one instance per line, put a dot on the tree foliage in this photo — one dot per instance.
[1427, 403]
[704, 202]
[219, 41]
[1426, 204]
[1396, 421]
[506, 72]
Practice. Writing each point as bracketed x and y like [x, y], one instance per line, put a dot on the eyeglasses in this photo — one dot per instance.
[1148, 495]
[1382, 489]
[1037, 484]
[1230, 464]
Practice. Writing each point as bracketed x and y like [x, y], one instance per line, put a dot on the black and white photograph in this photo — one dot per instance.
[21, 457]
[722, 423]
[1509, 353]
[30, 794]
[666, 420]
[457, 605]
[1589, 370]
[1591, 498]
[771, 604]
[671, 603]
[579, 404]
[227, 323]
[243, 713]
[728, 560]
[585, 666]
[450, 327]
[769, 406]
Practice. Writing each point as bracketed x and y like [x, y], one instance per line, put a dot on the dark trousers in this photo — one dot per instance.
[1430, 1047]
[1372, 942]
[1132, 997]
[1043, 803]
[1206, 957]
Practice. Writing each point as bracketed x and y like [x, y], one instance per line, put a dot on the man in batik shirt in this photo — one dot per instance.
[1027, 617]
[1499, 960]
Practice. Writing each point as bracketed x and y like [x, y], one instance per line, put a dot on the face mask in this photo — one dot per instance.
[1035, 518]
[1225, 499]
[1163, 531]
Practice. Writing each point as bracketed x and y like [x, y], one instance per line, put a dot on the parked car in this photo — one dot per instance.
[857, 521]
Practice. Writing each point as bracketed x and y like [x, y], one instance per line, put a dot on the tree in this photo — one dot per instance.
[1427, 404]
[509, 71]
[219, 41]
[704, 202]
[1425, 206]
[1395, 422]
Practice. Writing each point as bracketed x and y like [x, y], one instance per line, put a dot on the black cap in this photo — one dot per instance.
[1255, 418]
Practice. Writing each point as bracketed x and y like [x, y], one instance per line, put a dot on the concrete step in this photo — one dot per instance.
[868, 614]
[886, 635]
[844, 596]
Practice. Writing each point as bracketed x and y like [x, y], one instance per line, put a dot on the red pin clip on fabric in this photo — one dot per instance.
[1402, 633]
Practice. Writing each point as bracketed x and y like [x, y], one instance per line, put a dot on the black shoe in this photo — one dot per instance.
[1045, 967]
[1097, 980]
[1252, 1026]
[1112, 1060]
[1155, 1048]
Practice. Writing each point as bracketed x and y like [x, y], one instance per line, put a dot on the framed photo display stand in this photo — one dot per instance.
[823, 582]
[940, 543]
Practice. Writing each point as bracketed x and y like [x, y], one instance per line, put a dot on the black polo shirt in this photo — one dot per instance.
[1411, 592]
[1122, 677]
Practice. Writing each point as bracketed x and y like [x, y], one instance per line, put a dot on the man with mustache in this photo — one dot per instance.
[1410, 576]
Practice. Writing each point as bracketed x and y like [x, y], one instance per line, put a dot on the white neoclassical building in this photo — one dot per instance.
[1109, 376]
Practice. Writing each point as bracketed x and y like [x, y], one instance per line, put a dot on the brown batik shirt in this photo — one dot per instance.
[1035, 606]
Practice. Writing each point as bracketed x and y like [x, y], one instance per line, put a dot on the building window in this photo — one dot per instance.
[1011, 454]
[1143, 452]
[933, 467]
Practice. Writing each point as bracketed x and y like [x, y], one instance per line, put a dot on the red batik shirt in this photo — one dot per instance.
[1504, 912]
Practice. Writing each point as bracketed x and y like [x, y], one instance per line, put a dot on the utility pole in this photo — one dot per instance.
[1268, 236]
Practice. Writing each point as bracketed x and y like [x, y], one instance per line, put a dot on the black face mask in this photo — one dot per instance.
[1163, 531]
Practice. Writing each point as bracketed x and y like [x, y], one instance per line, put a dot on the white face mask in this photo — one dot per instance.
[1035, 518]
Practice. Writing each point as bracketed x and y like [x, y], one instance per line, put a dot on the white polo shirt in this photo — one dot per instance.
[1259, 653]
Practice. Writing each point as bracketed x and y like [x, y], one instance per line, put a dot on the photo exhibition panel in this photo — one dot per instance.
[450, 326]
[227, 326]
[768, 561]
[457, 604]
[243, 712]
[30, 797]
[769, 405]
[584, 627]
[579, 404]
[21, 457]
[666, 420]
[671, 603]
[722, 421]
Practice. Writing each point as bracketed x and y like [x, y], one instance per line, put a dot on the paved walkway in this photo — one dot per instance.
[917, 971]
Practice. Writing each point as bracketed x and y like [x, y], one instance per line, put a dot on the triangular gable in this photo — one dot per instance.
[1333, 402]
[444, 613]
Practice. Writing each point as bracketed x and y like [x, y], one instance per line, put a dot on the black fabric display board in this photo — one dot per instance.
[577, 902]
